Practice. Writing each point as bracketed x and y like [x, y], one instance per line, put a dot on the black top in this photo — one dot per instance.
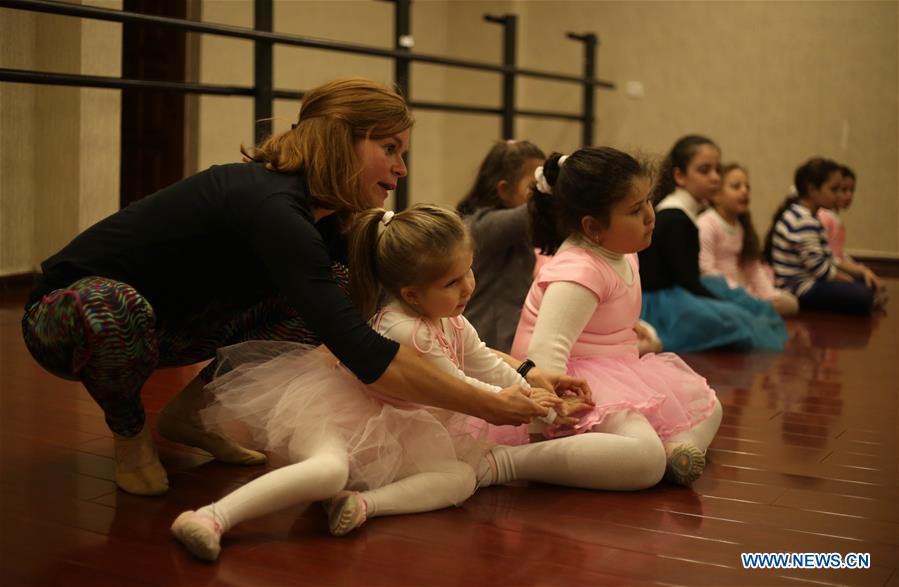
[673, 257]
[236, 232]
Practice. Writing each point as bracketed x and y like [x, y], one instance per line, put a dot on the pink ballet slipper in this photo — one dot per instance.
[200, 533]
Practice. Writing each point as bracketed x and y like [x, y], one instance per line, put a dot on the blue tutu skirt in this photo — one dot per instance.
[736, 320]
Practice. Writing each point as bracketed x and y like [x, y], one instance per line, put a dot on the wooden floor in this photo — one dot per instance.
[805, 461]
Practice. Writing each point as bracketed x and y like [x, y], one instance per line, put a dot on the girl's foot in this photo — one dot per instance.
[137, 466]
[200, 533]
[685, 464]
[179, 421]
[346, 512]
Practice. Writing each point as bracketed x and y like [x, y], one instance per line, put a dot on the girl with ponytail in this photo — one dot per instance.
[655, 416]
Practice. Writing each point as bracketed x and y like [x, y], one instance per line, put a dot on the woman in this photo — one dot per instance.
[251, 250]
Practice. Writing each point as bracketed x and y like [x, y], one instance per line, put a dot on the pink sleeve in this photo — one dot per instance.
[825, 217]
[761, 281]
[708, 234]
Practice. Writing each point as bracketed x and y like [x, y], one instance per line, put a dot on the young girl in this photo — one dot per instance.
[834, 227]
[592, 212]
[729, 245]
[797, 247]
[689, 313]
[495, 211]
[336, 432]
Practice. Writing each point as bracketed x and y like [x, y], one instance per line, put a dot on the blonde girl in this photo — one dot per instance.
[365, 453]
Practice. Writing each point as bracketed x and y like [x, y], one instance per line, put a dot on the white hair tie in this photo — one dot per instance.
[387, 217]
[542, 185]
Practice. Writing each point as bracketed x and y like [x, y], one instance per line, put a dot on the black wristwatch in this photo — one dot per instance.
[525, 368]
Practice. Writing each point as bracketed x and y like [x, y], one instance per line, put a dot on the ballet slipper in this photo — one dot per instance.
[200, 533]
[179, 421]
[137, 466]
[346, 512]
[685, 464]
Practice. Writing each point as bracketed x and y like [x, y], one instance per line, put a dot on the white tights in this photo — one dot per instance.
[622, 453]
[323, 473]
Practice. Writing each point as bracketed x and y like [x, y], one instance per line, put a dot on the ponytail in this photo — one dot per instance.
[392, 251]
[543, 212]
[365, 287]
[769, 238]
[588, 183]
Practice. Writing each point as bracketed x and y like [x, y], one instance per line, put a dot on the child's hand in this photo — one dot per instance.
[647, 340]
[559, 382]
[871, 279]
[572, 404]
[545, 398]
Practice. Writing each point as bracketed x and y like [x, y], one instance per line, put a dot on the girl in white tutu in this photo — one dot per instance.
[592, 212]
[364, 455]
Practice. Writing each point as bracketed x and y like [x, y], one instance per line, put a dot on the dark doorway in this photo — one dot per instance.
[152, 121]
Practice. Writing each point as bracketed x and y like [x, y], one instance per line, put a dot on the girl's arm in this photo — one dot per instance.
[412, 332]
[759, 280]
[496, 230]
[681, 250]
[487, 364]
[816, 260]
[564, 312]
[708, 246]
[859, 271]
[412, 378]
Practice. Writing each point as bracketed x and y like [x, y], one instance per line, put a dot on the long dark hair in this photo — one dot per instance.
[812, 173]
[504, 161]
[679, 157]
[751, 250]
[589, 183]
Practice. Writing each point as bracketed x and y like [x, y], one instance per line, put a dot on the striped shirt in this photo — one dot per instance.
[800, 253]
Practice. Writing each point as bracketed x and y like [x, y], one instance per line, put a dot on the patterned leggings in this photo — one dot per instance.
[105, 334]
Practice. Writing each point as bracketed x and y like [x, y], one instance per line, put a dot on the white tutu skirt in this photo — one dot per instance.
[287, 399]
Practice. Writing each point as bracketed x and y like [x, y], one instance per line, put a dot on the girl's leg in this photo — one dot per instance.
[702, 434]
[623, 453]
[686, 450]
[321, 474]
[102, 332]
[446, 483]
[838, 296]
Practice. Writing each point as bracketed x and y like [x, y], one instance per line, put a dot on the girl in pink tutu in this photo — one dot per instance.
[363, 454]
[593, 213]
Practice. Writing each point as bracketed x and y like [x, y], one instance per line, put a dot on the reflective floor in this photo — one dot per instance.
[805, 461]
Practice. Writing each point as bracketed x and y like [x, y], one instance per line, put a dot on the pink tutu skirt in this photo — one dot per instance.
[663, 388]
[284, 398]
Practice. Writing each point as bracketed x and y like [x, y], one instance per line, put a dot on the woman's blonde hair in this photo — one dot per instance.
[333, 118]
[414, 248]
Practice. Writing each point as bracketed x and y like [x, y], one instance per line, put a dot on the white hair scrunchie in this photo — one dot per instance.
[543, 185]
[387, 217]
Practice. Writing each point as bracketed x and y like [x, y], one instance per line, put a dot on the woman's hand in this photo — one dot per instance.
[513, 406]
[560, 383]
